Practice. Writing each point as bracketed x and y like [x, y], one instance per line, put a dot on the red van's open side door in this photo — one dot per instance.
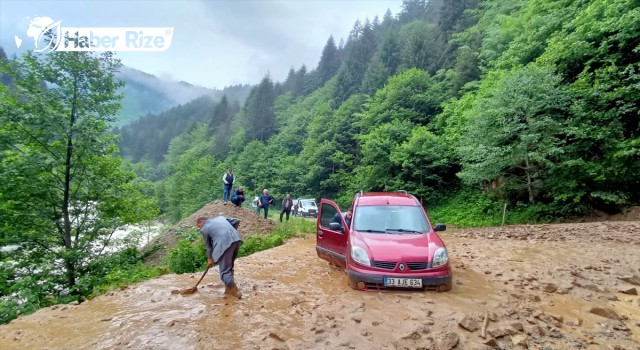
[331, 239]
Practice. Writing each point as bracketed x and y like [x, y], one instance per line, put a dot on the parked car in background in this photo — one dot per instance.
[390, 243]
[307, 207]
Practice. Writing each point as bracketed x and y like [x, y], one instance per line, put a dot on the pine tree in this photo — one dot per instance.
[390, 52]
[259, 117]
[288, 83]
[359, 52]
[297, 87]
[219, 127]
[375, 76]
[329, 61]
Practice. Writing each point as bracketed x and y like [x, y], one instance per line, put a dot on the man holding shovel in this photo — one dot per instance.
[222, 242]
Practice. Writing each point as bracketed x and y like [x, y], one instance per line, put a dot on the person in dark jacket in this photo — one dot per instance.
[347, 218]
[238, 196]
[287, 203]
[263, 202]
[222, 243]
[227, 180]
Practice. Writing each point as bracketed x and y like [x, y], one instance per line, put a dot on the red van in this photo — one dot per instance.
[389, 243]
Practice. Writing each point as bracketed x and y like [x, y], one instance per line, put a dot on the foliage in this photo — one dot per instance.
[597, 51]
[259, 117]
[413, 96]
[424, 164]
[359, 50]
[467, 208]
[192, 174]
[25, 290]
[148, 138]
[117, 270]
[513, 137]
[64, 191]
[189, 256]
[329, 61]
[422, 47]
[146, 95]
[283, 231]
[530, 102]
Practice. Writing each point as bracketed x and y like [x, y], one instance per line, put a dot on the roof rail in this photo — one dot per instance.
[402, 191]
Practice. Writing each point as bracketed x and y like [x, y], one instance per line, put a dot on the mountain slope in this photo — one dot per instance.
[145, 94]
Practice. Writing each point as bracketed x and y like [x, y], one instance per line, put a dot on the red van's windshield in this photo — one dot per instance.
[390, 219]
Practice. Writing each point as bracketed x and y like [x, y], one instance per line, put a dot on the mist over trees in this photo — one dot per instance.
[528, 103]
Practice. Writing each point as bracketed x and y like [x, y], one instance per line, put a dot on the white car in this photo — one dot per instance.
[307, 207]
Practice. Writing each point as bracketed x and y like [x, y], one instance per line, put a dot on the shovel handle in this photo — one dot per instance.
[201, 277]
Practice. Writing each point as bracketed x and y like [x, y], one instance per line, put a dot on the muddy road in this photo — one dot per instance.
[569, 286]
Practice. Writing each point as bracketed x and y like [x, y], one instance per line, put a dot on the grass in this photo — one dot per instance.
[473, 209]
[295, 227]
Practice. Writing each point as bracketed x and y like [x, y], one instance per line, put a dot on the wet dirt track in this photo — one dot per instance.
[567, 286]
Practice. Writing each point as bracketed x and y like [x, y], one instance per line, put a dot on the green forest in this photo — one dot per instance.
[472, 106]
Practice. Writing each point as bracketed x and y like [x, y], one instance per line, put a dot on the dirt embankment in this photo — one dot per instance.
[250, 223]
[561, 287]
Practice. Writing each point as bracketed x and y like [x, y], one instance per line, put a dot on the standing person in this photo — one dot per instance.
[264, 201]
[238, 196]
[227, 180]
[295, 210]
[287, 203]
[222, 242]
[257, 201]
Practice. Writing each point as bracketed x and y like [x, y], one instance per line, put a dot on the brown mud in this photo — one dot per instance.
[568, 286]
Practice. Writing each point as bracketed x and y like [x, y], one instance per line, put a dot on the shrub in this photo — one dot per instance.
[466, 209]
[25, 289]
[188, 256]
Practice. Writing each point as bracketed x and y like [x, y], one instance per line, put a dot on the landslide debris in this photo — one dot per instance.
[250, 224]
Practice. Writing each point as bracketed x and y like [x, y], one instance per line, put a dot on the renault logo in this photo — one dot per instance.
[401, 267]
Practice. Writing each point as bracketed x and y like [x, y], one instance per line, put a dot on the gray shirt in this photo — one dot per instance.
[218, 236]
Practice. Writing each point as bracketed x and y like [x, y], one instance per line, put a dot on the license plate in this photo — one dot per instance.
[403, 282]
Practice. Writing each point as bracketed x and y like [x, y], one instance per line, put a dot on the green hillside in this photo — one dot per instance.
[472, 105]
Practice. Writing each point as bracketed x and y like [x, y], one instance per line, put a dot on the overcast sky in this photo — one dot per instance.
[215, 43]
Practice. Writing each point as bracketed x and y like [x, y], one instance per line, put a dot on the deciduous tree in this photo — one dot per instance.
[63, 193]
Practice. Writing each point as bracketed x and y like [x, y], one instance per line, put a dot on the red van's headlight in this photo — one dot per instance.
[440, 257]
[360, 256]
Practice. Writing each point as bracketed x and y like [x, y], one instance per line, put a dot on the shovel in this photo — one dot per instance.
[194, 288]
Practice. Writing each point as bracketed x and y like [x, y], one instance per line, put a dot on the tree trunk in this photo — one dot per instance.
[527, 170]
[66, 204]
